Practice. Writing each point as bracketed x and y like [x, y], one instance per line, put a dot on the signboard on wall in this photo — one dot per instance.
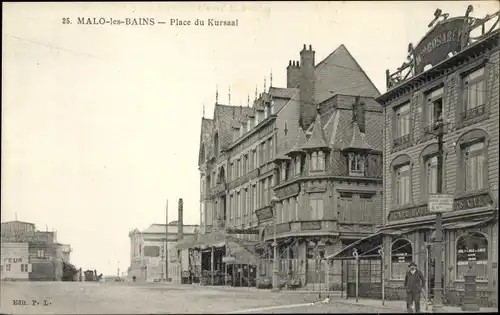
[27, 237]
[440, 203]
[439, 42]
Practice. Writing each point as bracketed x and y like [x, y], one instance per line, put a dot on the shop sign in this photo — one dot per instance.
[465, 255]
[408, 213]
[26, 237]
[440, 203]
[13, 260]
[437, 44]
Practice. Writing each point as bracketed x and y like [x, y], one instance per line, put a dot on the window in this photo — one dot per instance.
[151, 251]
[297, 165]
[238, 208]
[316, 206]
[286, 216]
[431, 174]
[216, 144]
[402, 125]
[40, 253]
[244, 202]
[296, 204]
[254, 198]
[245, 164]
[402, 253]
[283, 172]
[271, 148]
[249, 124]
[474, 94]
[317, 161]
[8, 267]
[403, 187]
[356, 164]
[233, 206]
[434, 107]
[270, 188]
[1, 267]
[474, 166]
[472, 246]
[262, 153]
[254, 159]
[24, 267]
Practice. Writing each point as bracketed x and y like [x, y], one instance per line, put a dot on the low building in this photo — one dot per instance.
[45, 255]
[15, 264]
[147, 252]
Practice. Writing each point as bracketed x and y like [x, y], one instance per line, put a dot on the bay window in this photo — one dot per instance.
[356, 164]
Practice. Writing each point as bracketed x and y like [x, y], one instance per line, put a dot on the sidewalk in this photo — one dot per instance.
[400, 306]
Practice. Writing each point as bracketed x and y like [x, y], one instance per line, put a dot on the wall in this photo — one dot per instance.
[15, 254]
[452, 90]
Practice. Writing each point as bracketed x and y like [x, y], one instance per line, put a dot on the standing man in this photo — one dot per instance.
[414, 282]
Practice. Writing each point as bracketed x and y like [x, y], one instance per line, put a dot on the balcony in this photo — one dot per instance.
[401, 140]
[218, 189]
[473, 112]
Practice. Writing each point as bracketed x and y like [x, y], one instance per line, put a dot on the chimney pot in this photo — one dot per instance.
[305, 47]
[289, 62]
[298, 63]
[310, 47]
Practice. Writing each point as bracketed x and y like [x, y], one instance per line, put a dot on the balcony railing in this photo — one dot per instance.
[473, 112]
[401, 140]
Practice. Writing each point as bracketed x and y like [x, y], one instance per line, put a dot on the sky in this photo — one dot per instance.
[101, 123]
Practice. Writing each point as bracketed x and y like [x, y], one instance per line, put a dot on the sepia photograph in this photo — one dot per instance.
[219, 157]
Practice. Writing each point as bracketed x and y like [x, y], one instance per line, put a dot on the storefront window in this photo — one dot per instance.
[473, 247]
[402, 254]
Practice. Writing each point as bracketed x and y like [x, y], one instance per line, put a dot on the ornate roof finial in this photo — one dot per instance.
[203, 110]
[255, 92]
[229, 95]
[248, 101]
[264, 84]
[271, 79]
[216, 94]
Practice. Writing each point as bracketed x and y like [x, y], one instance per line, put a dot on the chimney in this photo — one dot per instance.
[292, 74]
[307, 87]
[180, 231]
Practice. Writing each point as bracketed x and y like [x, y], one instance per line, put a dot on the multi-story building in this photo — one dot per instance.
[322, 167]
[147, 252]
[45, 258]
[451, 77]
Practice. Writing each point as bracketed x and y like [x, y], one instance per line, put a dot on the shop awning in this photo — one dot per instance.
[370, 244]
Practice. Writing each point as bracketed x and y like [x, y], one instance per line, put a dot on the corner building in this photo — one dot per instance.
[452, 74]
[314, 145]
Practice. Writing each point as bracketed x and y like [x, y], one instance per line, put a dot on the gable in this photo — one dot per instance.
[340, 73]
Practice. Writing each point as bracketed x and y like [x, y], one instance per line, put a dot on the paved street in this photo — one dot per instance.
[132, 298]
[88, 298]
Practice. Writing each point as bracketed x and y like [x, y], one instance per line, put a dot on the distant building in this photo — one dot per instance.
[45, 257]
[147, 252]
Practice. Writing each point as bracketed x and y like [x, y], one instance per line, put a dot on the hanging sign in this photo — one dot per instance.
[440, 203]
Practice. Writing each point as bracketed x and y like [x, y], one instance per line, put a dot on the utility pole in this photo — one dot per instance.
[438, 240]
[166, 244]
[275, 279]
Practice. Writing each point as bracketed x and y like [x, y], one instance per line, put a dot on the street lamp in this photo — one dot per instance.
[274, 201]
[438, 131]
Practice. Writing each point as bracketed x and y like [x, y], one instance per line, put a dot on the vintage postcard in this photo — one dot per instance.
[249, 157]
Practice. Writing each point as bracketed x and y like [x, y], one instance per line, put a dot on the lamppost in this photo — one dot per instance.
[438, 131]
[274, 201]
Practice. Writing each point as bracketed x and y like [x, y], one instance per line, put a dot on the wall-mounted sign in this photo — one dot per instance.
[439, 42]
[13, 260]
[440, 203]
[27, 237]
[408, 213]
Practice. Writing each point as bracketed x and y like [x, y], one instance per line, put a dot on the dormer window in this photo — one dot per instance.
[272, 108]
[242, 128]
[249, 124]
[256, 119]
[356, 164]
[318, 161]
[265, 112]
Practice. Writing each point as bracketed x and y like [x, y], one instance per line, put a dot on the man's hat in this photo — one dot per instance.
[412, 264]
